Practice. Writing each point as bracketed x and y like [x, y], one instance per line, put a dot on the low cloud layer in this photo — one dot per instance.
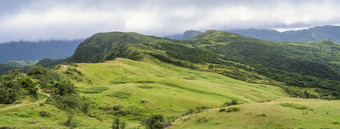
[74, 19]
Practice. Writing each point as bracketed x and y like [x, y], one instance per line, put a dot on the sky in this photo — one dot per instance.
[34, 20]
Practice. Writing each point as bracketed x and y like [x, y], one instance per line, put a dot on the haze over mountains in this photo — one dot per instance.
[26, 50]
[326, 32]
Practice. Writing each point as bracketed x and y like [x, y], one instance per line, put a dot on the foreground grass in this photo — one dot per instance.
[146, 88]
[320, 114]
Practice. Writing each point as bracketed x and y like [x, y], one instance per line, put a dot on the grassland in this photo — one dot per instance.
[269, 115]
[139, 89]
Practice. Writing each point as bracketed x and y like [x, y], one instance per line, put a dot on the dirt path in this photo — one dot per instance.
[25, 104]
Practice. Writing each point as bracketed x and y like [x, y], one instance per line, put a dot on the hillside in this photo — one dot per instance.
[136, 90]
[24, 50]
[190, 83]
[312, 65]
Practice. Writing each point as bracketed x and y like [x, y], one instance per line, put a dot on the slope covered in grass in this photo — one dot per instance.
[311, 114]
[307, 65]
[166, 89]
[135, 90]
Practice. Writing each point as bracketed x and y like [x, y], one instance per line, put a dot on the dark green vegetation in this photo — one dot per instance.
[312, 67]
[14, 85]
[24, 50]
[296, 106]
[94, 90]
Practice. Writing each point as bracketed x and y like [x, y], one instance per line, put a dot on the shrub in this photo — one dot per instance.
[233, 102]
[117, 107]
[73, 64]
[233, 109]
[296, 106]
[153, 122]
[201, 120]
[120, 94]
[95, 90]
[118, 124]
[145, 87]
[262, 115]
[222, 110]
[44, 114]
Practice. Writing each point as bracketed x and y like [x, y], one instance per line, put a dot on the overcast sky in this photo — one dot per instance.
[75, 19]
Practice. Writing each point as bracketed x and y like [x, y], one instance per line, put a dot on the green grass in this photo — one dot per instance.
[172, 91]
[269, 115]
[95, 90]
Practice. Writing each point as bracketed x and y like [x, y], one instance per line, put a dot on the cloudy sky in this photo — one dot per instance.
[76, 19]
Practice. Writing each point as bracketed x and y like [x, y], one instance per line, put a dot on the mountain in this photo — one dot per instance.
[216, 80]
[306, 35]
[24, 50]
[190, 34]
[176, 36]
[306, 65]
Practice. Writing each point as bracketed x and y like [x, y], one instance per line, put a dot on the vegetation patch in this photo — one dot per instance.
[45, 114]
[95, 90]
[231, 109]
[201, 120]
[120, 94]
[296, 106]
[195, 110]
[145, 86]
[231, 103]
[26, 114]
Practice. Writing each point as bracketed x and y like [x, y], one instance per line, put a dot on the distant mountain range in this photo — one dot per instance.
[25, 50]
[331, 33]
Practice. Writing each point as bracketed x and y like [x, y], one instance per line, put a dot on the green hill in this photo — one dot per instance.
[135, 90]
[308, 65]
[217, 80]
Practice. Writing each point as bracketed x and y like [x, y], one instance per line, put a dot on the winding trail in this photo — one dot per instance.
[12, 106]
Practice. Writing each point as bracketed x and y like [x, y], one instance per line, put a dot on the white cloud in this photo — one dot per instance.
[46, 19]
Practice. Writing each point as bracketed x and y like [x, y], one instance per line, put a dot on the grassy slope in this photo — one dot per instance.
[173, 90]
[325, 114]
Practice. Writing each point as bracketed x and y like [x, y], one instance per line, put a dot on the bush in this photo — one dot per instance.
[222, 110]
[118, 124]
[145, 87]
[233, 109]
[15, 84]
[37, 70]
[201, 120]
[153, 122]
[70, 120]
[233, 102]
[120, 94]
[95, 90]
[296, 106]
[44, 114]
[262, 115]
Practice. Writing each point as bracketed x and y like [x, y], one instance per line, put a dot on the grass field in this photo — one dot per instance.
[141, 89]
